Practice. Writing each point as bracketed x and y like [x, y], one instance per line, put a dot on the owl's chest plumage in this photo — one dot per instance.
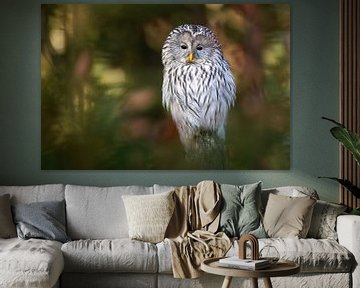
[198, 95]
[192, 85]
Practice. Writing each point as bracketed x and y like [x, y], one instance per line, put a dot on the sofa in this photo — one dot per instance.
[99, 252]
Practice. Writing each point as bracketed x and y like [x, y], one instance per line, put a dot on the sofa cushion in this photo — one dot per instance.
[240, 212]
[30, 263]
[287, 216]
[313, 255]
[149, 215]
[7, 227]
[291, 191]
[116, 255]
[37, 193]
[164, 257]
[323, 222]
[43, 220]
[163, 188]
[98, 213]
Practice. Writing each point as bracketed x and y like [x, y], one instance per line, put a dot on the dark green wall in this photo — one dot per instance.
[314, 93]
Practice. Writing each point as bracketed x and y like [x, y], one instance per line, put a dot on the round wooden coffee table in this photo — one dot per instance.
[281, 268]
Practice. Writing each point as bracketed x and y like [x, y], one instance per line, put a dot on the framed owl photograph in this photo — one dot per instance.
[165, 87]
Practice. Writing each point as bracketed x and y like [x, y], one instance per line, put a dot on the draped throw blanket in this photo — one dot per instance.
[191, 231]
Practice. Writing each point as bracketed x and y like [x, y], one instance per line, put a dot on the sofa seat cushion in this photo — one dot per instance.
[30, 263]
[164, 257]
[313, 255]
[110, 255]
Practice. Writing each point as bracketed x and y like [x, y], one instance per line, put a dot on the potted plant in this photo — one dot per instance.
[351, 141]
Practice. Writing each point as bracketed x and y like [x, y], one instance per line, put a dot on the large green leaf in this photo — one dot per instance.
[348, 185]
[348, 138]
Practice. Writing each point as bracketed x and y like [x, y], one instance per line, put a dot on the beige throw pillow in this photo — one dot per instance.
[7, 226]
[149, 215]
[288, 217]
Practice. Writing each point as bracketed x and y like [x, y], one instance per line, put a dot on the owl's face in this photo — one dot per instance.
[191, 44]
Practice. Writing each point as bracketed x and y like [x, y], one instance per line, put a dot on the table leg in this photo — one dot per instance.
[267, 283]
[254, 282]
[227, 282]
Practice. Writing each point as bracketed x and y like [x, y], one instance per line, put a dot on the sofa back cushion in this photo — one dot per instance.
[98, 212]
[37, 193]
[7, 227]
[163, 188]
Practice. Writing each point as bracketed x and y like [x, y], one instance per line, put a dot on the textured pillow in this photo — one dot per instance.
[288, 217]
[323, 222]
[43, 220]
[149, 215]
[7, 227]
[240, 210]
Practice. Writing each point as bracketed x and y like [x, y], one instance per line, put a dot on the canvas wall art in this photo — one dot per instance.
[165, 87]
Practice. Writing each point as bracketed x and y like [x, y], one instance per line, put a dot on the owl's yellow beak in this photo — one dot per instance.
[190, 57]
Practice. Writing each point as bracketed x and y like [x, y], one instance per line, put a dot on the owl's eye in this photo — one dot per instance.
[199, 47]
[183, 46]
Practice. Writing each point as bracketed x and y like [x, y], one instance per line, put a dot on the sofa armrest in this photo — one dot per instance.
[348, 230]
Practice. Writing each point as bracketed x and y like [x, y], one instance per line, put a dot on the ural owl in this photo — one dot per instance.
[198, 87]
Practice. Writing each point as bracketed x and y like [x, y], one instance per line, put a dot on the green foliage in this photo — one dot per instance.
[351, 141]
[348, 138]
[355, 211]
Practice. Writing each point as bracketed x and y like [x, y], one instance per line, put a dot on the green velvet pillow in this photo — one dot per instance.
[240, 213]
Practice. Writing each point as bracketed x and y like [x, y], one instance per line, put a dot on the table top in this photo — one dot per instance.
[281, 268]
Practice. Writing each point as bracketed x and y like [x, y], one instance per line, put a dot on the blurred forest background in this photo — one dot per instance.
[101, 82]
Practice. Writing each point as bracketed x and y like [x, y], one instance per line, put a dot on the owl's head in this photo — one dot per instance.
[190, 44]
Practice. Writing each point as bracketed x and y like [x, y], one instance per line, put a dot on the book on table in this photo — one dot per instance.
[249, 264]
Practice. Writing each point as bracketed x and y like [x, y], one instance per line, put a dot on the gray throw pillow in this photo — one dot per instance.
[43, 220]
[7, 227]
[240, 213]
